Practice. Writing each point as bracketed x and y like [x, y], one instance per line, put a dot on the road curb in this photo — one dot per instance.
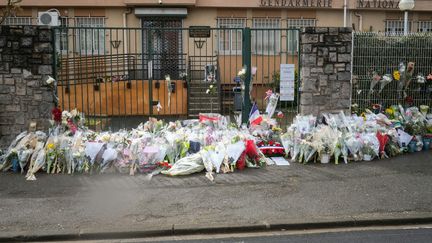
[217, 230]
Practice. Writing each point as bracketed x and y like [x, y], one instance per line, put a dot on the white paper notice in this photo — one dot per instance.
[287, 76]
[280, 161]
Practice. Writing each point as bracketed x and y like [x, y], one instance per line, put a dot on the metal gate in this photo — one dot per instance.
[117, 76]
[376, 55]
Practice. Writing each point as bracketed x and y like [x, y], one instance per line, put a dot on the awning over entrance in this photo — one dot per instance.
[160, 12]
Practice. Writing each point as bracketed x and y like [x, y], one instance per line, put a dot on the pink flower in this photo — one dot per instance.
[268, 94]
[72, 127]
[280, 114]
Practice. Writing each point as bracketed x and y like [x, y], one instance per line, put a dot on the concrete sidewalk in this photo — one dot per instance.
[389, 191]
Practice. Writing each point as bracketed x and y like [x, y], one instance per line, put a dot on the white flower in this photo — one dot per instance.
[66, 114]
[167, 78]
[74, 112]
[106, 137]
[211, 86]
[420, 79]
[387, 78]
[208, 91]
[50, 80]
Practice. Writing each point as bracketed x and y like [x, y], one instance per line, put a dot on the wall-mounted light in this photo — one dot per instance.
[115, 44]
[199, 43]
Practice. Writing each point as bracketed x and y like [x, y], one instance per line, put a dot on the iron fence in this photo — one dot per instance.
[116, 76]
[377, 55]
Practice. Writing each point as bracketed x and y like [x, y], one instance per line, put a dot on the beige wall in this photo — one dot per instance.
[371, 20]
[331, 18]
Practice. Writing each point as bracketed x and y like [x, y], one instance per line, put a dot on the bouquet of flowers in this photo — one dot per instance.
[307, 151]
[271, 148]
[341, 149]
[325, 140]
[370, 146]
[188, 165]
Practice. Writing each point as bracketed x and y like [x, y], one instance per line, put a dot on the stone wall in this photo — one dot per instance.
[325, 70]
[26, 57]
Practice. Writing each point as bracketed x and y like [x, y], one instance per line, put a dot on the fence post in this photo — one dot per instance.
[54, 62]
[150, 69]
[246, 60]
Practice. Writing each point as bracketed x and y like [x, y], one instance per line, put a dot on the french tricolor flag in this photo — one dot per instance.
[254, 116]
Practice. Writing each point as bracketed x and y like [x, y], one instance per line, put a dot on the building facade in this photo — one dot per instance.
[363, 15]
[117, 40]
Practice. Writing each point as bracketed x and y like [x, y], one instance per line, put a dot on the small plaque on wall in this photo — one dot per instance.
[199, 31]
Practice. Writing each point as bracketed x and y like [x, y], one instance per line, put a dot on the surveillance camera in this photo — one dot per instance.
[160, 1]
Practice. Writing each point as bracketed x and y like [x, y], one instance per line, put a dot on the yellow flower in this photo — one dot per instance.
[389, 111]
[51, 146]
[363, 115]
[276, 129]
[396, 75]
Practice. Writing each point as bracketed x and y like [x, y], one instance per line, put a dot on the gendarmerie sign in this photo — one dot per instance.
[386, 4]
[297, 3]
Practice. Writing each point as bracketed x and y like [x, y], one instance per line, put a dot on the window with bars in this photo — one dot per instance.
[396, 27]
[18, 21]
[293, 36]
[91, 41]
[424, 26]
[62, 38]
[266, 39]
[230, 40]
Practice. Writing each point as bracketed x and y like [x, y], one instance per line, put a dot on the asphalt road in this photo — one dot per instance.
[77, 205]
[370, 236]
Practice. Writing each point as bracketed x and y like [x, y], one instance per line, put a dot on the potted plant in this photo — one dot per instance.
[325, 155]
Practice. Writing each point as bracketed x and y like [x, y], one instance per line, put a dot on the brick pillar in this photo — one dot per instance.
[325, 70]
[26, 58]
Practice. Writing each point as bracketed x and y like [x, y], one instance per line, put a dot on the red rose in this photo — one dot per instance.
[241, 162]
[57, 114]
[409, 100]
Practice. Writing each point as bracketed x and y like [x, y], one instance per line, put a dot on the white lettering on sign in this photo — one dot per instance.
[296, 3]
[387, 4]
